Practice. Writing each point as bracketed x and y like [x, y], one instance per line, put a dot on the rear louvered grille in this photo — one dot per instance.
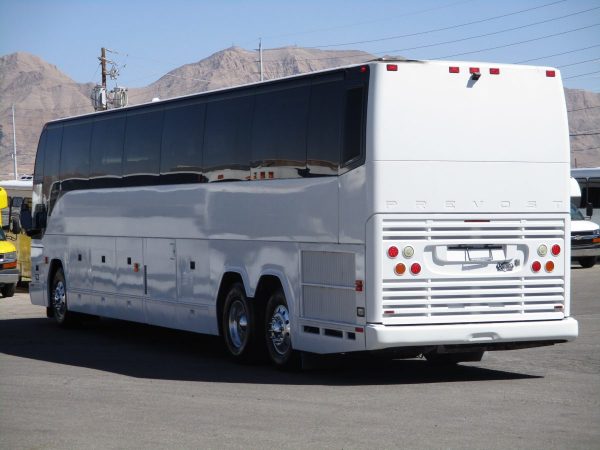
[461, 300]
[477, 295]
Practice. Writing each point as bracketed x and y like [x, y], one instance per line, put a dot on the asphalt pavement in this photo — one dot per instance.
[113, 384]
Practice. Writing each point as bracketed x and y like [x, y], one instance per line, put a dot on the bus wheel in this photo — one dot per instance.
[587, 262]
[278, 333]
[58, 298]
[8, 290]
[239, 325]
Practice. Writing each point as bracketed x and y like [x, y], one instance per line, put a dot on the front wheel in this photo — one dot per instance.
[278, 333]
[58, 301]
[8, 290]
[587, 262]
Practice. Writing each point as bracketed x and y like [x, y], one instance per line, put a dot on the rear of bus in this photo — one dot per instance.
[468, 166]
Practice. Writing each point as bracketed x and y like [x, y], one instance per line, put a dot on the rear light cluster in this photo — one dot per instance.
[542, 252]
[407, 253]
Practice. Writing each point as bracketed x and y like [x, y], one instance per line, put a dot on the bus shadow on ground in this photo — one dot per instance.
[144, 351]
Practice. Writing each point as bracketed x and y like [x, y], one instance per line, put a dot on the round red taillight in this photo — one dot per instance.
[393, 252]
[549, 266]
[536, 266]
[555, 250]
[415, 268]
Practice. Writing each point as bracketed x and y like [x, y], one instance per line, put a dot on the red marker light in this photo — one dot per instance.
[550, 73]
[393, 252]
[363, 69]
[454, 69]
[392, 67]
[555, 250]
[474, 70]
[415, 268]
[536, 266]
[494, 71]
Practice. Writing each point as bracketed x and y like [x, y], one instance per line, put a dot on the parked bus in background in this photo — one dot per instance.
[589, 182]
[19, 197]
[394, 206]
[9, 274]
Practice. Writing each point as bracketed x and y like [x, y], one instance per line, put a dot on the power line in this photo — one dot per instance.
[581, 75]
[519, 42]
[557, 54]
[580, 62]
[414, 13]
[506, 30]
[451, 27]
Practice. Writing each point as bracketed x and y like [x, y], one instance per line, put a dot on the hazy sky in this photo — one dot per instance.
[152, 38]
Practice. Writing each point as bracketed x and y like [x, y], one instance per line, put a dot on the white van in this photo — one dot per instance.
[585, 234]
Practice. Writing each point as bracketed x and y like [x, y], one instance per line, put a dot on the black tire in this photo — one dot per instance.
[59, 303]
[240, 325]
[587, 262]
[8, 290]
[451, 359]
[278, 333]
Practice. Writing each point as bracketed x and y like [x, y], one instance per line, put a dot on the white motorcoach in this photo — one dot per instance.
[411, 206]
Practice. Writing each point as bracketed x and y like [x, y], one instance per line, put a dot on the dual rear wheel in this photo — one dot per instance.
[250, 332]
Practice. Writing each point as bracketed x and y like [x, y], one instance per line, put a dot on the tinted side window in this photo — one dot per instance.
[181, 153]
[75, 154]
[353, 125]
[38, 173]
[593, 192]
[325, 127]
[141, 154]
[52, 165]
[227, 139]
[107, 149]
[279, 132]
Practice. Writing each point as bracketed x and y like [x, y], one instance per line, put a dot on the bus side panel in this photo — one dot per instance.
[195, 309]
[38, 288]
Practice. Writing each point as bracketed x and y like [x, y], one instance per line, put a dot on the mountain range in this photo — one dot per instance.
[41, 92]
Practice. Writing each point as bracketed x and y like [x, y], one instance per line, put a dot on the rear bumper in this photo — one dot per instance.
[9, 276]
[380, 337]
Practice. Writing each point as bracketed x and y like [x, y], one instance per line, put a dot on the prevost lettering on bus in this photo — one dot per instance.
[263, 213]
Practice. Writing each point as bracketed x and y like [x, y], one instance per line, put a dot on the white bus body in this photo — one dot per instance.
[462, 179]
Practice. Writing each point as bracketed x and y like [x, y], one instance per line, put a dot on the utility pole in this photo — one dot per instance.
[14, 155]
[260, 58]
[103, 64]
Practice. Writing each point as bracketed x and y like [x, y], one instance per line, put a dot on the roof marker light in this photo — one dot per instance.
[494, 71]
[550, 73]
[474, 70]
[392, 67]
[454, 69]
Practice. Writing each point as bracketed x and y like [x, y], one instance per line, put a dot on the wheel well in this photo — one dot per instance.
[55, 264]
[227, 281]
[266, 285]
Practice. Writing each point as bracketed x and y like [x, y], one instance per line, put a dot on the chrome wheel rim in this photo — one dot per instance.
[238, 324]
[279, 330]
[59, 299]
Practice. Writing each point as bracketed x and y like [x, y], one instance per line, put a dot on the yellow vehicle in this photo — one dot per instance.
[18, 197]
[9, 273]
